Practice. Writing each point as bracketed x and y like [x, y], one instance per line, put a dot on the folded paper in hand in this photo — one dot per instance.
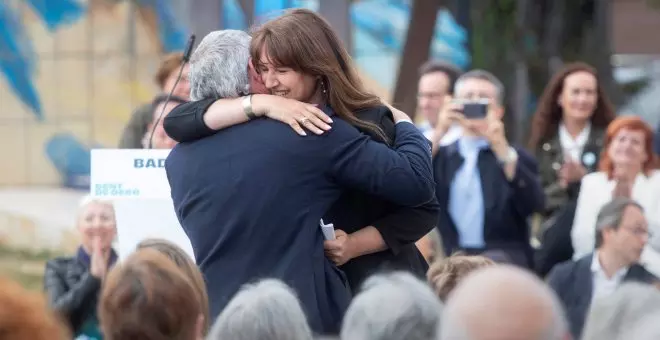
[328, 230]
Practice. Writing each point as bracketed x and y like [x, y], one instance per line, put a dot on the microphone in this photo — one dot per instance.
[186, 58]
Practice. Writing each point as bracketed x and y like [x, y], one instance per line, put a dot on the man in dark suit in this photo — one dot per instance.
[486, 188]
[621, 234]
[250, 197]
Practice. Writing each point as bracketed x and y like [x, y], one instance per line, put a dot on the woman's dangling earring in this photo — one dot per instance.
[323, 89]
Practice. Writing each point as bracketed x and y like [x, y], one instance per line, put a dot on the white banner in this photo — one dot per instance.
[129, 173]
[136, 182]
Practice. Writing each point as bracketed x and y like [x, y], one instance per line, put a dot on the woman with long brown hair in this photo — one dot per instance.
[567, 131]
[300, 59]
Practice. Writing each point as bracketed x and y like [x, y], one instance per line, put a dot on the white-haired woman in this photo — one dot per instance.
[268, 309]
[73, 283]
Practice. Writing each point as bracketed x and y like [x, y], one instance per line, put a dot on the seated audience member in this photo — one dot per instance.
[445, 275]
[159, 138]
[486, 188]
[187, 265]
[73, 283]
[621, 234]
[392, 307]
[25, 315]
[268, 309]
[627, 169]
[644, 329]
[148, 297]
[133, 135]
[611, 317]
[503, 303]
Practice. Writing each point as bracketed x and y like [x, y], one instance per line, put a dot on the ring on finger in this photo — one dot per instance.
[304, 120]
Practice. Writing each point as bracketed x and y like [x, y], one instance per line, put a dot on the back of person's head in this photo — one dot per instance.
[302, 40]
[187, 265]
[393, 306]
[148, 297]
[503, 302]
[25, 315]
[610, 317]
[168, 65]
[646, 328]
[219, 65]
[444, 275]
[268, 309]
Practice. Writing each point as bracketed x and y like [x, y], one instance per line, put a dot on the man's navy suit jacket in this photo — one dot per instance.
[507, 204]
[251, 196]
[573, 282]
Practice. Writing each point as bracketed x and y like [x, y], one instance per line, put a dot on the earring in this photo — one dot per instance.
[323, 87]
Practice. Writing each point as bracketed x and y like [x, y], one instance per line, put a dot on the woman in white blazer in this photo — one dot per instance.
[627, 168]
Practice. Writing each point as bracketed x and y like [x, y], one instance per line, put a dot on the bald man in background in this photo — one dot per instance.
[503, 303]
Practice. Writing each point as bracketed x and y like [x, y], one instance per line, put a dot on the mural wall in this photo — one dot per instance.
[71, 73]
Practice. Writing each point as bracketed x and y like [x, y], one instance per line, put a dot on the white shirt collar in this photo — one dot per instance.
[574, 146]
[596, 268]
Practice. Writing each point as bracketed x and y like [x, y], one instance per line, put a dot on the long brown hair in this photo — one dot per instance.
[545, 121]
[631, 123]
[304, 41]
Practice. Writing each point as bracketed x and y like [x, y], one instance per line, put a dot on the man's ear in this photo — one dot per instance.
[251, 64]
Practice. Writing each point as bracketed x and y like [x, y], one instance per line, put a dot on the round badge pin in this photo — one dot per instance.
[589, 159]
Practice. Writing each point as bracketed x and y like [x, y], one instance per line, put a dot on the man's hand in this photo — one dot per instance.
[340, 250]
[448, 115]
[291, 112]
[497, 138]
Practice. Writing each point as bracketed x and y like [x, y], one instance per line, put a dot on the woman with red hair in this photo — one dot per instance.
[627, 168]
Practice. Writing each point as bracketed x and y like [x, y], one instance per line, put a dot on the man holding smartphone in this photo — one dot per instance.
[487, 187]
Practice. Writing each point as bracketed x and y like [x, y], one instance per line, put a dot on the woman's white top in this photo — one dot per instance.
[595, 191]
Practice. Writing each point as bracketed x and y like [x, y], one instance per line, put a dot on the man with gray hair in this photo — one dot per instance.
[250, 197]
[487, 188]
[503, 303]
[621, 234]
[221, 67]
[268, 309]
[392, 307]
[612, 317]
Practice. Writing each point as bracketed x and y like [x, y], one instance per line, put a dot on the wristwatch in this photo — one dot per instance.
[247, 107]
[511, 156]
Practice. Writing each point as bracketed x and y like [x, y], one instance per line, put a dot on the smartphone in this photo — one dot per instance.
[475, 109]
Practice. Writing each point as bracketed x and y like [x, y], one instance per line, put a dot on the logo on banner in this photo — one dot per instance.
[140, 163]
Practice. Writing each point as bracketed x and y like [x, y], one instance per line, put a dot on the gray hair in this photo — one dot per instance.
[219, 66]
[393, 306]
[611, 214]
[611, 317]
[459, 315]
[483, 75]
[645, 329]
[268, 309]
